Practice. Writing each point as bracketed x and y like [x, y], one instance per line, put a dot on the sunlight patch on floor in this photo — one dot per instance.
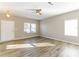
[18, 46]
[15, 46]
[43, 44]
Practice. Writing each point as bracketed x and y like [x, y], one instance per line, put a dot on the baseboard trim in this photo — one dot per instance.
[60, 40]
[22, 38]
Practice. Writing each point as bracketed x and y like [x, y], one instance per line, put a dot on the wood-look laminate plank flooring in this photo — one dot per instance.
[38, 47]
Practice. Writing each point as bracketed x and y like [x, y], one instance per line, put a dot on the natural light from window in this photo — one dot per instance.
[71, 27]
[29, 27]
[33, 28]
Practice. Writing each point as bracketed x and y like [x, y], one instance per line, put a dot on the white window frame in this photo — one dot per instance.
[33, 30]
[71, 27]
[29, 28]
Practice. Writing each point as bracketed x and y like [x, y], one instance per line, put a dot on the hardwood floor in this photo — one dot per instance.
[38, 47]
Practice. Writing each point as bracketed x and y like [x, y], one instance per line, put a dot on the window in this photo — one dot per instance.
[71, 27]
[29, 27]
[33, 28]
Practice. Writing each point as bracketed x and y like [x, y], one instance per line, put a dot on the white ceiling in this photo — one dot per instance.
[19, 8]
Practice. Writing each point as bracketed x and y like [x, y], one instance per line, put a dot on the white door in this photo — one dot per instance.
[7, 30]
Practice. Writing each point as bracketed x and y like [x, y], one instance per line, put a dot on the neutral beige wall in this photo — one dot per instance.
[19, 26]
[54, 27]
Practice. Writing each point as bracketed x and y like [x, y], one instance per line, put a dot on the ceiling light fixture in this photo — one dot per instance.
[38, 12]
[8, 14]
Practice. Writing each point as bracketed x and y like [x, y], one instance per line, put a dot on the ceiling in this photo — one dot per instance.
[20, 8]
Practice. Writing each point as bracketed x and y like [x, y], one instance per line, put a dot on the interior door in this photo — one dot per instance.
[7, 30]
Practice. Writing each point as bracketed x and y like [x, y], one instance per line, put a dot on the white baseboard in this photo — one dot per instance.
[45, 37]
[25, 37]
[20, 38]
[61, 40]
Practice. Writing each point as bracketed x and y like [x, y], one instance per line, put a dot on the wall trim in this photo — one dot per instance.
[20, 38]
[61, 40]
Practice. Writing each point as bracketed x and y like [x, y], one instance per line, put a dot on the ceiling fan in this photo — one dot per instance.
[50, 3]
[37, 11]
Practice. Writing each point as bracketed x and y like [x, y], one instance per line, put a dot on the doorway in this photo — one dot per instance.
[7, 30]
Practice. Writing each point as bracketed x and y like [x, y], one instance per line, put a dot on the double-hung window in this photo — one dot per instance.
[30, 27]
[33, 28]
[71, 27]
[27, 27]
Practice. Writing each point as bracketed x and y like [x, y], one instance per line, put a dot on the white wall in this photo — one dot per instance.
[19, 26]
[54, 27]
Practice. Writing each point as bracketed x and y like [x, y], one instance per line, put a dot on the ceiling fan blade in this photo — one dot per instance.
[34, 9]
[31, 9]
[50, 3]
